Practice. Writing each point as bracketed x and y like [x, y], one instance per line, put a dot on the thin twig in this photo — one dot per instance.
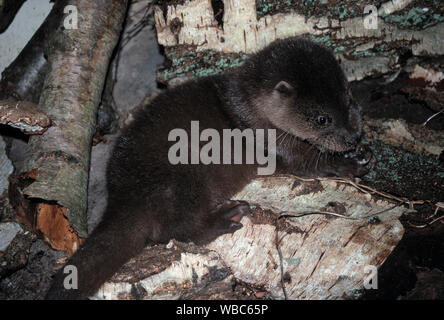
[439, 206]
[371, 191]
[281, 262]
[382, 211]
[424, 225]
[365, 189]
[308, 213]
[284, 214]
[431, 117]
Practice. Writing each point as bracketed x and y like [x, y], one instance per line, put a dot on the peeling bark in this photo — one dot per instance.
[24, 116]
[57, 163]
[427, 84]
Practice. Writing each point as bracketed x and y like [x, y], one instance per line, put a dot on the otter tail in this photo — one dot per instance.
[110, 246]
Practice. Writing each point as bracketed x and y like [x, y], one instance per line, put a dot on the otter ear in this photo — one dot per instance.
[284, 87]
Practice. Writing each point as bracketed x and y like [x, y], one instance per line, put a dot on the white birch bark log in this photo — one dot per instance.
[323, 257]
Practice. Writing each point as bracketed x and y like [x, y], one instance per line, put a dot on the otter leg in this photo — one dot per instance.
[233, 210]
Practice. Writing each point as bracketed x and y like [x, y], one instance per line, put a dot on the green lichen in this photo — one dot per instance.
[354, 294]
[348, 46]
[405, 173]
[186, 62]
[417, 17]
[337, 45]
[343, 13]
[268, 7]
[364, 53]
[320, 39]
[339, 49]
[293, 261]
[334, 9]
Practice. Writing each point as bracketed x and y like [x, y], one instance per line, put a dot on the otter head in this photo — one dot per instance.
[300, 88]
[329, 124]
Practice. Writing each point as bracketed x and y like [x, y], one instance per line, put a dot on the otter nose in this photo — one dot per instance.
[352, 139]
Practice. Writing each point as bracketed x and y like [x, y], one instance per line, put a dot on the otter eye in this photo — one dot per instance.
[323, 120]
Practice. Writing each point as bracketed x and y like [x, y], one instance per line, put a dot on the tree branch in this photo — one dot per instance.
[57, 163]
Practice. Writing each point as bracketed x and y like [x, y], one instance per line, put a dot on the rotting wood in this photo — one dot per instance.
[46, 219]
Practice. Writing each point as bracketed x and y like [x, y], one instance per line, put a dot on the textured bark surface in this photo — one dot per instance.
[6, 168]
[57, 163]
[323, 256]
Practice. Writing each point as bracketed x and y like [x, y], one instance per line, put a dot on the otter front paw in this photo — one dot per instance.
[227, 217]
[355, 163]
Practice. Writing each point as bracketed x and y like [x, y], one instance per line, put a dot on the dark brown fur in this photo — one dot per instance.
[286, 86]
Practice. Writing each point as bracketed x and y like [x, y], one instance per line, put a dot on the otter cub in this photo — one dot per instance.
[293, 86]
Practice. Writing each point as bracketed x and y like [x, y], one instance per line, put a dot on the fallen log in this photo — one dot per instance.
[203, 37]
[332, 233]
